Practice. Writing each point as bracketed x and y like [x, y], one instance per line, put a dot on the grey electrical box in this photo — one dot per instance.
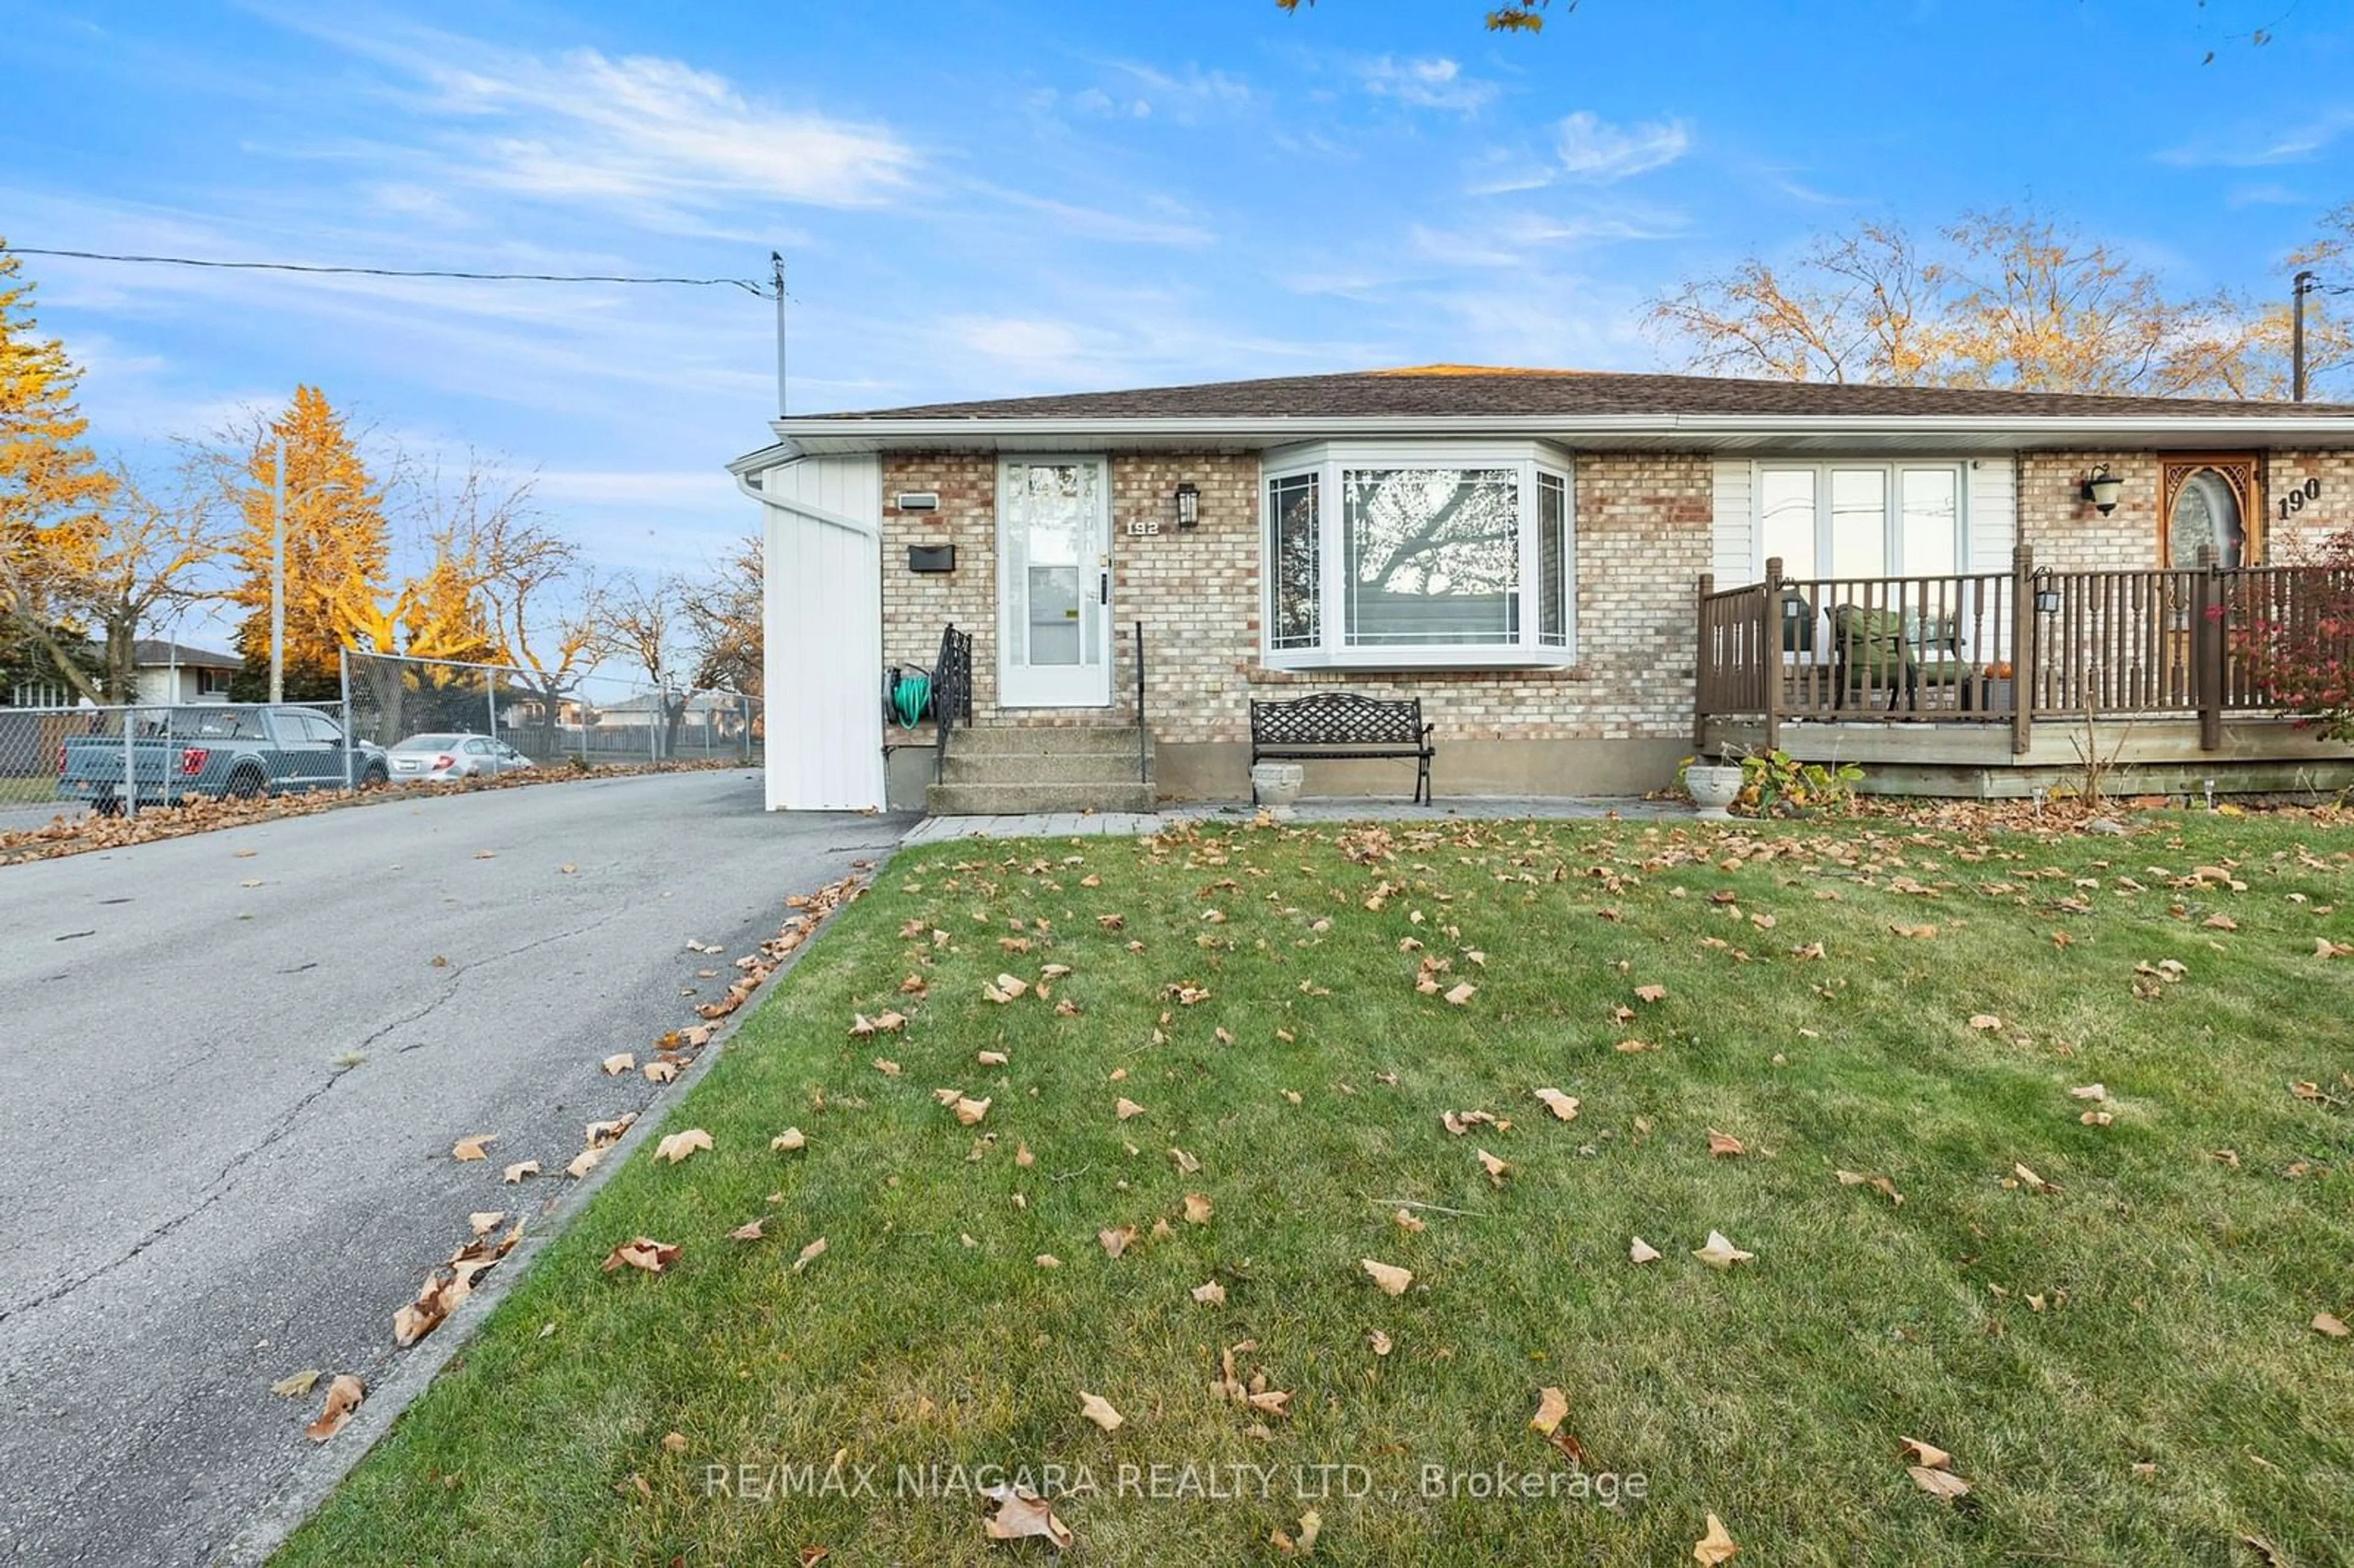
[931, 558]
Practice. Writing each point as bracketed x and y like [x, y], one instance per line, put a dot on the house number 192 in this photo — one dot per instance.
[2294, 502]
[1144, 526]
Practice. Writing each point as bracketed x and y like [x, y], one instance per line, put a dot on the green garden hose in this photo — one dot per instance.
[911, 697]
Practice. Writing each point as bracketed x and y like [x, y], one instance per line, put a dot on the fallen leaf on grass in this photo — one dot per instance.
[1115, 1239]
[1719, 1253]
[295, 1385]
[970, 1112]
[809, 1255]
[1642, 1251]
[1722, 1144]
[1552, 1405]
[1379, 1342]
[1633, 1046]
[788, 1140]
[1020, 1515]
[619, 1063]
[1496, 1169]
[1212, 1294]
[1716, 1546]
[641, 1252]
[1650, 993]
[471, 1148]
[1392, 1280]
[1914, 933]
[1047, 1260]
[1125, 1108]
[679, 1145]
[2090, 1092]
[991, 1058]
[1985, 1021]
[2028, 1179]
[749, 1231]
[881, 1024]
[886, 1066]
[1098, 1409]
[1406, 1222]
[2323, 948]
[2331, 1324]
[1943, 1484]
[1311, 1524]
[344, 1397]
[1564, 1106]
[521, 1169]
[1915, 1452]
[1197, 1209]
[1461, 992]
[1187, 1163]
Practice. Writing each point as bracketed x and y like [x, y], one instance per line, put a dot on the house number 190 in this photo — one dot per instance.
[2294, 502]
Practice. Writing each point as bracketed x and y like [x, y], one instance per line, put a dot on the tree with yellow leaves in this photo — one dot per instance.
[2004, 299]
[337, 543]
[52, 491]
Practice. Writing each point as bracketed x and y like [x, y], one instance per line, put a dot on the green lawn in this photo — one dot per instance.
[2123, 1365]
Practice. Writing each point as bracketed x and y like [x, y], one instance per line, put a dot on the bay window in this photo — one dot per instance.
[1862, 519]
[1388, 558]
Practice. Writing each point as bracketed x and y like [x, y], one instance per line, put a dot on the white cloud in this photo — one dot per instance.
[1433, 83]
[1094, 223]
[1592, 149]
[2295, 144]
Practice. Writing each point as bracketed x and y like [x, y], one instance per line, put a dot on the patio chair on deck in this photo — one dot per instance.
[1893, 651]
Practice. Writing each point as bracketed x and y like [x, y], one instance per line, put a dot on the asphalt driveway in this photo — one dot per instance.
[201, 1199]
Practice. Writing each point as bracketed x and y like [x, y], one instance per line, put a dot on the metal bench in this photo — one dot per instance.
[1341, 726]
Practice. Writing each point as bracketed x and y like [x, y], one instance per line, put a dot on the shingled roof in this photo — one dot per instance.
[1450, 390]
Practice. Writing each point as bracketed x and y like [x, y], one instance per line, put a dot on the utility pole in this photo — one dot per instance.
[278, 577]
[777, 281]
[2298, 288]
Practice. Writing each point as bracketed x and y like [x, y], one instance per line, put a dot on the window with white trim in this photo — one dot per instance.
[1862, 519]
[1399, 557]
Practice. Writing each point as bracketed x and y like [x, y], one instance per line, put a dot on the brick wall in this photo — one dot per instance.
[1642, 541]
[2069, 535]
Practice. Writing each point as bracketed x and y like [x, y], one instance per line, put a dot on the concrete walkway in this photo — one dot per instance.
[1130, 824]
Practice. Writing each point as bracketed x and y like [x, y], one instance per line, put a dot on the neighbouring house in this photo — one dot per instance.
[175, 673]
[1583, 577]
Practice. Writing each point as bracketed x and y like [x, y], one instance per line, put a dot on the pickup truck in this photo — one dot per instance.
[184, 754]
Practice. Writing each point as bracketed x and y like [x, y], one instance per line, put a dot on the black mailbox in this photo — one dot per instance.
[931, 558]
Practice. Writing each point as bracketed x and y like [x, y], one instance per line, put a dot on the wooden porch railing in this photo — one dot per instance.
[1997, 648]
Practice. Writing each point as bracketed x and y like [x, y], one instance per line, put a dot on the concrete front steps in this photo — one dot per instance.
[1009, 770]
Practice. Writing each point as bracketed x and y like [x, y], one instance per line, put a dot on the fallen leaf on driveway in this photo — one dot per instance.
[487, 1222]
[1020, 1515]
[584, 1162]
[296, 1384]
[343, 1396]
[1552, 1405]
[641, 1252]
[660, 1072]
[679, 1145]
[471, 1148]
[1392, 1280]
[521, 1169]
[1098, 1409]
[619, 1063]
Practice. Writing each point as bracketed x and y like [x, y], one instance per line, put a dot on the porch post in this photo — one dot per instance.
[1701, 683]
[1769, 650]
[2206, 649]
[2026, 654]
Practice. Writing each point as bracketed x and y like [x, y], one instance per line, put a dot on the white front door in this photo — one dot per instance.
[1054, 584]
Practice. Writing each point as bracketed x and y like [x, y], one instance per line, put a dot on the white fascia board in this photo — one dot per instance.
[1697, 431]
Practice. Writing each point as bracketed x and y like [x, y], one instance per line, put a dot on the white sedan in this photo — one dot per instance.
[437, 758]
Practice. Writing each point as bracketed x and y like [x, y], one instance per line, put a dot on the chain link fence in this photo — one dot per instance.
[126, 760]
[490, 715]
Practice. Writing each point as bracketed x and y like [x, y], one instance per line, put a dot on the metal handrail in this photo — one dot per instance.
[1144, 736]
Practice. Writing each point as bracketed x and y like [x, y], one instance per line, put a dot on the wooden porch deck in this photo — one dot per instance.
[1999, 684]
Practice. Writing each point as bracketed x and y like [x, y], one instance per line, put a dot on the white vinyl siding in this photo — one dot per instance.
[1733, 534]
[1993, 488]
[823, 586]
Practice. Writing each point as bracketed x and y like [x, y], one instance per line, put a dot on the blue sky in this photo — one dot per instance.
[984, 197]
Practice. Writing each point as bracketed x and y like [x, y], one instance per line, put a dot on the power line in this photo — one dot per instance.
[756, 290]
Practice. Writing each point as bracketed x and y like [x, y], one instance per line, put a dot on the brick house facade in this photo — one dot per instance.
[1613, 715]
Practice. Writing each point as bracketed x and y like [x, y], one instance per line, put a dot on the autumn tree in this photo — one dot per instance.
[159, 541]
[722, 611]
[2002, 299]
[53, 492]
[1518, 16]
[338, 545]
[645, 626]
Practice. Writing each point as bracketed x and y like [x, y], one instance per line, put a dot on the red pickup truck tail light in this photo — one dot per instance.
[192, 761]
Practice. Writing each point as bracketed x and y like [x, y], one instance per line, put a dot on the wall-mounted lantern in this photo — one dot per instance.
[2102, 488]
[1189, 507]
